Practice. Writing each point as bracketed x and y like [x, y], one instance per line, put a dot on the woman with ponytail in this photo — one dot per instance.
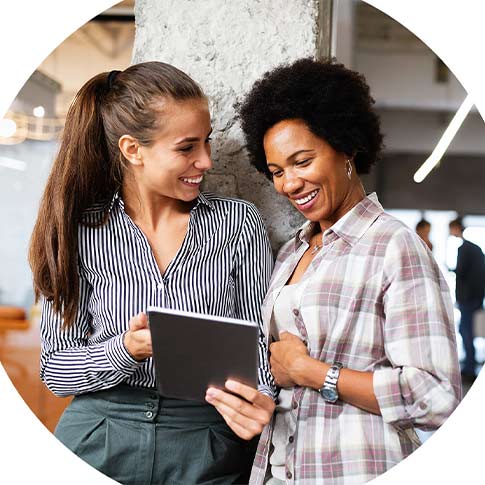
[122, 226]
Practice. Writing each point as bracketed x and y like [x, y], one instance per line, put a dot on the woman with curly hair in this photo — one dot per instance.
[361, 322]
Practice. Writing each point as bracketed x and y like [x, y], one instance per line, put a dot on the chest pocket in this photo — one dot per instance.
[344, 321]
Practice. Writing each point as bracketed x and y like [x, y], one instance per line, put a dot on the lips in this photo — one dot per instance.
[306, 202]
[306, 199]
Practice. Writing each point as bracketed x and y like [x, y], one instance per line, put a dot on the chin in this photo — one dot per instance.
[190, 197]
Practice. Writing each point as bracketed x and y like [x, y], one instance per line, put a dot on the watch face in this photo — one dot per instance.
[329, 394]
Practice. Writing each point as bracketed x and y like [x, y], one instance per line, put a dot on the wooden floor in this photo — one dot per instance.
[19, 355]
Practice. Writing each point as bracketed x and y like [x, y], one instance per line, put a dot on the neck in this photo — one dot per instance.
[150, 209]
[351, 199]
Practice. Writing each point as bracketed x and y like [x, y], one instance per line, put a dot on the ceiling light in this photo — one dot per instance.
[445, 141]
[8, 127]
[39, 111]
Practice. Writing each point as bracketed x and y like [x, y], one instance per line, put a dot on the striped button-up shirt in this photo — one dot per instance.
[376, 301]
[222, 268]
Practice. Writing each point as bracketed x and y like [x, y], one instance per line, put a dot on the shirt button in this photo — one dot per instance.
[291, 439]
[295, 312]
[423, 405]
[150, 405]
[149, 414]
[289, 475]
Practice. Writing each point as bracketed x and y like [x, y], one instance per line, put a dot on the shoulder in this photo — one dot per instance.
[221, 201]
[470, 250]
[238, 209]
[472, 246]
[392, 245]
[388, 230]
[96, 214]
[403, 252]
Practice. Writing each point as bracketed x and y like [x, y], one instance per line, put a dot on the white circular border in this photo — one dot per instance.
[30, 30]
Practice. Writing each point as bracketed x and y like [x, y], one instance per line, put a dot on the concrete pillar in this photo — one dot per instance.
[226, 46]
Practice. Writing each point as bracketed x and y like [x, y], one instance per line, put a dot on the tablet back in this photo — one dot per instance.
[193, 351]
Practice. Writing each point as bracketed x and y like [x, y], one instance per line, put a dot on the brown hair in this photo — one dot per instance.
[89, 167]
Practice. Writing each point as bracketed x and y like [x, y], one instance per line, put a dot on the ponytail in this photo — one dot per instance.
[82, 174]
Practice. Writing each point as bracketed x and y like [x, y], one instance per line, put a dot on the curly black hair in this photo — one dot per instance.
[333, 101]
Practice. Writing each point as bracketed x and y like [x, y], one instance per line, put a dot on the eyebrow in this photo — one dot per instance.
[191, 138]
[293, 155]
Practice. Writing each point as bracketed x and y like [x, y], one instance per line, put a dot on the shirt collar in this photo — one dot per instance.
[201, 199]
[205, 200]
[351, 227]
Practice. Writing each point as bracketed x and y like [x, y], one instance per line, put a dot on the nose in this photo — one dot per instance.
[204, 160]
[291, 182]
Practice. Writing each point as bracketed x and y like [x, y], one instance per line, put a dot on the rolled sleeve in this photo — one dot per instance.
[421, 387]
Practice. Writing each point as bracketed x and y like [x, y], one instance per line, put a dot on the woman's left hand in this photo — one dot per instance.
[286, 358]
[246, 417]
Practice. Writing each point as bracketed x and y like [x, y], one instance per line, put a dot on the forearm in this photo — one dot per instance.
[354, 387]
[78, 370]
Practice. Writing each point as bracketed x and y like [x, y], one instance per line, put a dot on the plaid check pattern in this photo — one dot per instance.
[375, 301]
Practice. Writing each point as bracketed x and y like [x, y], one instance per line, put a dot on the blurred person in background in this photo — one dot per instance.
[470, 291]
[423, 228]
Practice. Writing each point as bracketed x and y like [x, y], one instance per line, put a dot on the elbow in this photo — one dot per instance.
[408, 397]
[53, 385]
[433, 409]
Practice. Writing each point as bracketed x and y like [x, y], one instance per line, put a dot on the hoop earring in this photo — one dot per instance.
[348, 166]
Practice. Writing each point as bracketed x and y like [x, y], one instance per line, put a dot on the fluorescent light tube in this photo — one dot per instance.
[445, 141]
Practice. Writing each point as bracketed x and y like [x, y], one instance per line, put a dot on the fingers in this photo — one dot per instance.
[245, 418]
[281, 378]
[234, 415]
[247, 392]
[233, 405]
[284, 335]
[138, 322]
[238, 429]
[138, 339]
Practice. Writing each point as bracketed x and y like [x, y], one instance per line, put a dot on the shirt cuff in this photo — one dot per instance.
[387, 389]
[263, 389]
[119, 357]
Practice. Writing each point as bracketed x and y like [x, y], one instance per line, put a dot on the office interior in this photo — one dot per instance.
[416, 97]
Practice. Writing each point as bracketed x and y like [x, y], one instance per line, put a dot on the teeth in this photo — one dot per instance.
[196, 180]
[306, 199]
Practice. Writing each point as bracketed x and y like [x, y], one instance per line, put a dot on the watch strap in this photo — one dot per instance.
[331, 378]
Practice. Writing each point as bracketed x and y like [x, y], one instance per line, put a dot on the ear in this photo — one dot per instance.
[130, 148]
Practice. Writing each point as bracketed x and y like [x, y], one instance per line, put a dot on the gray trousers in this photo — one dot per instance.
[137, 437]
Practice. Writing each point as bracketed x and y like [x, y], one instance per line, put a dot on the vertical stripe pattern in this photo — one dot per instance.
[222, 268]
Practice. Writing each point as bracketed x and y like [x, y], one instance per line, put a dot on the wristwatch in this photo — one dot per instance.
[329, 388]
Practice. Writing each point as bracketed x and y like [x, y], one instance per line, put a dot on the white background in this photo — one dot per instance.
[30, 30]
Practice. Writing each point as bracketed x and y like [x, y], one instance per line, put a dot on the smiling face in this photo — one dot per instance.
[307, 170]
[174, 164]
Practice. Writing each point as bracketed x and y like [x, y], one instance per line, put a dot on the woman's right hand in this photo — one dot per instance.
[137, 339]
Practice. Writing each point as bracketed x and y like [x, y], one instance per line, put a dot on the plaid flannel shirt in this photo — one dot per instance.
[376, 301]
